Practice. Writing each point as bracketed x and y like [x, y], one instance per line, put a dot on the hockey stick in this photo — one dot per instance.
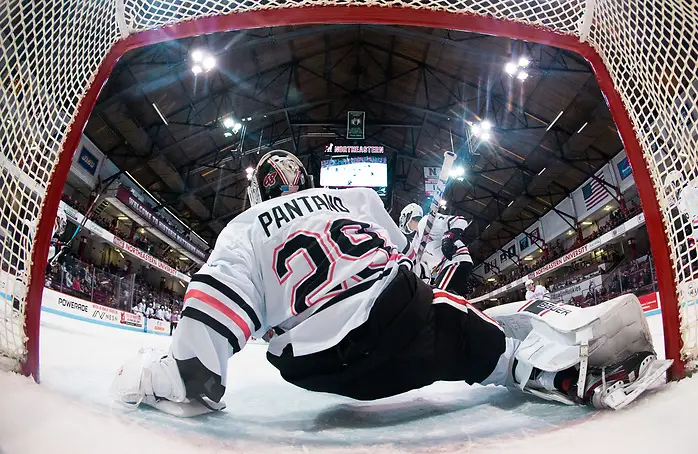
[449, 159]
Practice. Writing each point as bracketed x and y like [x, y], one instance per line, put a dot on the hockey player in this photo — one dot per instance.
[446, 263]
[534, 291]
[329, 271]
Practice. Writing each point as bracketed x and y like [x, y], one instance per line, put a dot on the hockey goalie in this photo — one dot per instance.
[331, 273]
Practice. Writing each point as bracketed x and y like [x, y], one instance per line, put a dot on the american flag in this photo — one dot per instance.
[594, 193]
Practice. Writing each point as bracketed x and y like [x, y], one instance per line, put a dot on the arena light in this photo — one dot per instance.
[197, 56]
[516, 68]
[162, 117]
[443, 203]
[528, 258]
[228, 122]
[510, 204]
[483, 130]
[203, 61]
[554, 121]
[209, 63]
[122, 218]
[457, 173]
[582, 128]
[570, 232]
[184, 259]
[542, 170]
[492, 279]
[182, 284]
[607, 208]
[228, 134]
[249, 172]
[587, 223]
[236, 128]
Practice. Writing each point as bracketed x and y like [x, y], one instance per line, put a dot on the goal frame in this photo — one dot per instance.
[361, 15]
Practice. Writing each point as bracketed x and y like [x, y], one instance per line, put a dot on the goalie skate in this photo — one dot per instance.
[616, 386]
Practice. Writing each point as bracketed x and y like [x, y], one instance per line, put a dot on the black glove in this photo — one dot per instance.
[451, 242]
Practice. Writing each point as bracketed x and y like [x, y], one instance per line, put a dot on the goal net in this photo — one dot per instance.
[56, 54]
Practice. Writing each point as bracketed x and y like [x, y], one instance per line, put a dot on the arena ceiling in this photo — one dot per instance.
[420, 89]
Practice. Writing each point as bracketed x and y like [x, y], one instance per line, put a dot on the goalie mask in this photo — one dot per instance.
[277, 173]
[411, 211]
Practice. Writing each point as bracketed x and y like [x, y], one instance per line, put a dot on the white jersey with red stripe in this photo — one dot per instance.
[433, 257]
[309, 264]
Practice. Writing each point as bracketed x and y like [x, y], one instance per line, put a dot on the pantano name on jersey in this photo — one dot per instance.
[292, 209]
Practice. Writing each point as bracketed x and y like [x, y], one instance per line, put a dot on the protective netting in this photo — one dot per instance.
[51, 49]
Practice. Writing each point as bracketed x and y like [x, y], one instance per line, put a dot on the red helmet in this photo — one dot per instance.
[277, 173]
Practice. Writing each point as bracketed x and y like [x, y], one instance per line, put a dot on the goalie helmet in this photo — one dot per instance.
[277, 173]
[411, 211]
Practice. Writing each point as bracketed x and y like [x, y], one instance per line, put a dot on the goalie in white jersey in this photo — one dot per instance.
[446, 262]
[330, 272]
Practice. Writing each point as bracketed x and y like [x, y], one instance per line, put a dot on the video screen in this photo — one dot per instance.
[359, 171]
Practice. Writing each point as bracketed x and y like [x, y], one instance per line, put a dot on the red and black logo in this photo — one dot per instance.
[269, 179]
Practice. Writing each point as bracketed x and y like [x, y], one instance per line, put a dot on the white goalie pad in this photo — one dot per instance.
[553, 335]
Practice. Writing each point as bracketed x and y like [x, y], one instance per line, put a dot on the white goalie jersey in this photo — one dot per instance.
[309, 264]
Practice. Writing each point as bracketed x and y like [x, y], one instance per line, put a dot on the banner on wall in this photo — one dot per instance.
[126, 197]
[431, 180]
[567, 258]
[78, 218]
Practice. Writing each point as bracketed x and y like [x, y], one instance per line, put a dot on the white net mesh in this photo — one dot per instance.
[51, 49]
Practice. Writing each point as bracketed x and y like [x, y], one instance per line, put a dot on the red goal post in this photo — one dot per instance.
[58, 54]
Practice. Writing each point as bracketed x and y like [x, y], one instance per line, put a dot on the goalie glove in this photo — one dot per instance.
[451, 242]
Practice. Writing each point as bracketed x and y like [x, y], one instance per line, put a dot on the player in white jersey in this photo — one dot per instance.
[446, 262]
[330, 272]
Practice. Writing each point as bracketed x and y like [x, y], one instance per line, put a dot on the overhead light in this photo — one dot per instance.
[197, 56]
[228, 134]
[488, 226]
[542, 170]
[249, 118]
[583, 126]
[510, 204]
[570, 232]
[228, 122]
[236, 128]
[511, 68]
[457, 172]
[141, 230]
[553, 122]
[122, 218]
[184, 259]
[540, 251]
[515, 68]
[587, 223]
[182, 284]
[162, 117]
[492, 279]
[443, 203]
[608, 208]
[482, 130]
[493, 299]
[122, 255]
[209, 63]
[196, 69]
[528, 258]
[250, 171]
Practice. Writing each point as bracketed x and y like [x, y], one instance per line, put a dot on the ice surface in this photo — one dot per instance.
[71, 411]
